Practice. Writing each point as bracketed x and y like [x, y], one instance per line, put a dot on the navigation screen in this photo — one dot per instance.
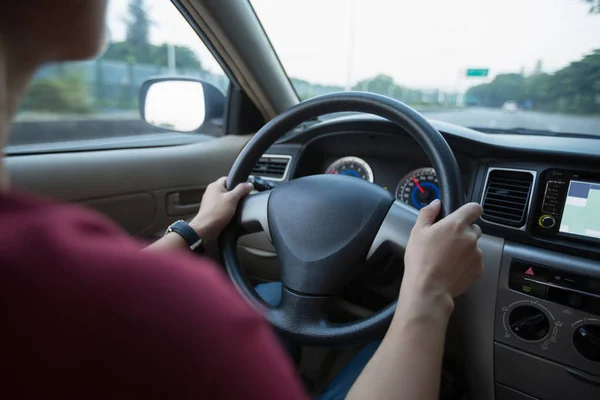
[581, 215]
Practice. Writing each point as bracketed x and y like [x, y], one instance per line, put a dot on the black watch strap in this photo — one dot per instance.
[188, 234]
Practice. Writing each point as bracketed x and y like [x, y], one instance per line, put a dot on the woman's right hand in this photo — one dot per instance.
[441, 261]
[442, 258]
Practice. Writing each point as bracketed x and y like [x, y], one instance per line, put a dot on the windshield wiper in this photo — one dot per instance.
[527, 131]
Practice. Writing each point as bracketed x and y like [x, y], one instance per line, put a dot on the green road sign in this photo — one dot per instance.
[478, 72]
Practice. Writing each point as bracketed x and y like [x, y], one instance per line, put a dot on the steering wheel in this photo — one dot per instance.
[325, 227]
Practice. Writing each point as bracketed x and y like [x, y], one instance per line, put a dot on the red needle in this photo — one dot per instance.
[419, 186]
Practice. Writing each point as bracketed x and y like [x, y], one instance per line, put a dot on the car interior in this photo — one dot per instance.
[529, 328]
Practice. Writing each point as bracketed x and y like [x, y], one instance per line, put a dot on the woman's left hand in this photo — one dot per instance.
[218, 207]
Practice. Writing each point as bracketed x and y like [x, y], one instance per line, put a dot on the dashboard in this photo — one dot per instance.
[417, 188]
[376, 150]
[530, 327]
[405, 172]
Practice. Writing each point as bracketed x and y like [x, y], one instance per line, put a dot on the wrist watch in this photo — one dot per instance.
[188, 234]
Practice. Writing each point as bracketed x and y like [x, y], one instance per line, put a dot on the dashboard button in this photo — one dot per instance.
[547, 221]
[569, 280]
[529, 323]
[519, 284]
[586, 340]
[532, 271]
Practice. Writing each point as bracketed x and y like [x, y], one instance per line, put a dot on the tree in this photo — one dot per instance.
[536, 90]
[186, 58]
[384, 84]
[62, 94]
[138, 49]
[306, 90]
[573, 89]
[138, 24]
[595, 9]
[504, 87]
[379, 84]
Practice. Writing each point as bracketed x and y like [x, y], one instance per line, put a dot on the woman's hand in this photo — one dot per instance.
[441, 261]
[217, 208]
[442, 258]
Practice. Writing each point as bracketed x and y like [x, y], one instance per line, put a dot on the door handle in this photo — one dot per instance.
[177, 206]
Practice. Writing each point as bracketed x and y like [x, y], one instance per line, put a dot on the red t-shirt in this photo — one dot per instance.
[86, 314]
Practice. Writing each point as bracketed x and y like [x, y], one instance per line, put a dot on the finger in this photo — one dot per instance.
[428, 214]
[477, 230]
[218, 185]
[467, 214]
[240, 191]
[221, 181]
[478, 262]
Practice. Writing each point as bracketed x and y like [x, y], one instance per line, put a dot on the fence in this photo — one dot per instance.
[110, 87]
[114, 85]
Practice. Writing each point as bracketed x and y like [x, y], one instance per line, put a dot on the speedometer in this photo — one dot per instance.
[351, 166]
[418, 188]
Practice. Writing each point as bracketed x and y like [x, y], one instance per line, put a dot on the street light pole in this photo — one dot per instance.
[350, 61]
[172, 60]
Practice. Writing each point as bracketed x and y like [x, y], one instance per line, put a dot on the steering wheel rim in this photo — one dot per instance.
[377, 221]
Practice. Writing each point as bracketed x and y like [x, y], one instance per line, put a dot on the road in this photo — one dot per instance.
[62, 128]
[496, 118]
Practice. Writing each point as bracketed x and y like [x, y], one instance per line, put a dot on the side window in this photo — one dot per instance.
[99, 99]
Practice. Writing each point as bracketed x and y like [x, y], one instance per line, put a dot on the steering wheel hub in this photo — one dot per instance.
[322, 228]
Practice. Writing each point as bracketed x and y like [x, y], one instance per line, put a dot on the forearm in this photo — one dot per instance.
[408, 363]
[171, 241]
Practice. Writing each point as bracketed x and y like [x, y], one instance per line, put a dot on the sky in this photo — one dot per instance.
[420, 43]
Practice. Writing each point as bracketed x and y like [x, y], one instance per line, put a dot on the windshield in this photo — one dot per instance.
[497, 66]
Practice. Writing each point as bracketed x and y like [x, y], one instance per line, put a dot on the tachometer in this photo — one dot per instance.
[418, 188]
[351, 166]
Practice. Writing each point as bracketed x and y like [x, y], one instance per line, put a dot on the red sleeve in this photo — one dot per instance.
[87, 314]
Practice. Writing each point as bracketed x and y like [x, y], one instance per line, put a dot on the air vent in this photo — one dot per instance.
[507, 196]
[273, 167]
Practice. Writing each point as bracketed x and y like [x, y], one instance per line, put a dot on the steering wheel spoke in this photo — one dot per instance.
[395, 229]
[252, 215]
[298, 313]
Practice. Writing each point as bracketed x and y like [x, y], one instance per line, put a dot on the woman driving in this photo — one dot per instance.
[88, 314]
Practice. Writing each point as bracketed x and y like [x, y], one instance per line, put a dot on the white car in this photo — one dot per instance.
[510, 106]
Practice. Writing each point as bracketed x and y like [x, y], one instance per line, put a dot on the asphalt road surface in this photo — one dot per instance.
[496, 118]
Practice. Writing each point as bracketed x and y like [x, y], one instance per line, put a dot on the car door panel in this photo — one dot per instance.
[134, 187]
[135, 213]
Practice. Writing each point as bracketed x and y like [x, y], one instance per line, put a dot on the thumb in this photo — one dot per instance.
[428, 215]
[240, 191]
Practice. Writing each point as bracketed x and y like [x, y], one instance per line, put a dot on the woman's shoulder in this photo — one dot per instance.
[72, 279]
[47, 249]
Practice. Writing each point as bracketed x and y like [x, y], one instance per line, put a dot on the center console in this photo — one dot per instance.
[547, 321]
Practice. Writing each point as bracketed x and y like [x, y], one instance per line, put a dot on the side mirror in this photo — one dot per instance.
[181, 104]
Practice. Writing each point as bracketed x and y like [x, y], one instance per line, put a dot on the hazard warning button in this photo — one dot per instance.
[536, 272]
